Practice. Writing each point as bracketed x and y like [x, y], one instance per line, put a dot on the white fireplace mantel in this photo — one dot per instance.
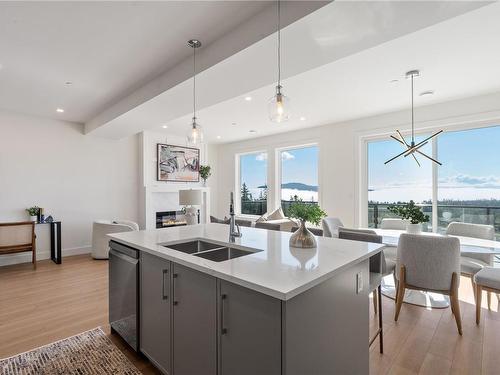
[169, 192]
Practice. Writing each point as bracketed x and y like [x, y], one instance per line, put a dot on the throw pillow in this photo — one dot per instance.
[277, 215]
[262, 219]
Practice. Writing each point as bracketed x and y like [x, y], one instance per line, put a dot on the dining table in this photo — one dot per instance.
[390, 238]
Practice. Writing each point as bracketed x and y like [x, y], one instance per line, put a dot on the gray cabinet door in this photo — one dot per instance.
[250, 332]
[155, 298]
[194, 322]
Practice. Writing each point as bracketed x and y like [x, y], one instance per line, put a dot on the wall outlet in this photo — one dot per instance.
[359, 282]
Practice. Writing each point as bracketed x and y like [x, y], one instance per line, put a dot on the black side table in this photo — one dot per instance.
[55, 241]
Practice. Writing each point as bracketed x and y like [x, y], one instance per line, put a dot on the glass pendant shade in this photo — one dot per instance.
[279, 107]
[195, 133]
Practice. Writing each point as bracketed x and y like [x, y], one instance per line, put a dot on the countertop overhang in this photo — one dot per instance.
[277, 270]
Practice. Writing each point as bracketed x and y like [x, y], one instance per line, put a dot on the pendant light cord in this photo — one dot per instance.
[194, 84]
[412, 115]
[279, 43]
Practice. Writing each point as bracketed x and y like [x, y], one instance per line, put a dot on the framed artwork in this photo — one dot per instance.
[178, 163]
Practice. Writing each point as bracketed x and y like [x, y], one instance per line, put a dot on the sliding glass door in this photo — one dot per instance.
[465, 188]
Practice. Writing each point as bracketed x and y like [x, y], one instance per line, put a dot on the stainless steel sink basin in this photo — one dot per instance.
[222, 254]
[192, 247]
[209, 250]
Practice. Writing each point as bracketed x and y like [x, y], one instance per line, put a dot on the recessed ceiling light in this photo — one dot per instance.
[248, 98]
[233, 123]
[252, 131]
[165, 126]
[60, 110]
[394, 81]
[68, 83]
[219, 137]
[426, 93]
[302, 118]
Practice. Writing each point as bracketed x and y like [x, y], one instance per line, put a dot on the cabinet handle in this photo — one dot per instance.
[223, 330]
[164, 293]
[174, 276]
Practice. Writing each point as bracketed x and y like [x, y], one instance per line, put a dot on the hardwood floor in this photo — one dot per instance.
[54, 302]
[58, 301]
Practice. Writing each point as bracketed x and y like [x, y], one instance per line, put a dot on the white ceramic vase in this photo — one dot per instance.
[414, 228]
[33, 218]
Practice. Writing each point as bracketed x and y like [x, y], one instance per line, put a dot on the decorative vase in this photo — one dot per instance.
[303, 237]
[414, 228]
[205, 183]
[34, 218]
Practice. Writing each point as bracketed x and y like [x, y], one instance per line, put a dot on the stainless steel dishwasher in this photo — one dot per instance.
[123, 292]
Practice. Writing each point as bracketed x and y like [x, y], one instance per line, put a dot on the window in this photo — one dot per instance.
[253, 183]
[465, 188]
[469, 180]
[299, 175]
[401, 180]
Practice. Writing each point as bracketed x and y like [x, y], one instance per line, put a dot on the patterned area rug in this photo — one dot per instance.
[90, 352]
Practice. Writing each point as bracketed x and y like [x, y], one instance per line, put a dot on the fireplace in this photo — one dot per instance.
[170, 219]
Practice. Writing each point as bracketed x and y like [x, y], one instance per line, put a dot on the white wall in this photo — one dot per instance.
[77, 178]
[342, 151]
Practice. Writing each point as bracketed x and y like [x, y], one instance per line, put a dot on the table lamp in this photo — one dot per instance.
[189, 199]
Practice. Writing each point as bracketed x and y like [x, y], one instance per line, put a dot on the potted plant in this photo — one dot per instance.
[410, 211]
[33, 212]
[304, 212]
[205, 173]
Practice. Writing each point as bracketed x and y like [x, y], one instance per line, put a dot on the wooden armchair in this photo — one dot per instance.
[18, 237]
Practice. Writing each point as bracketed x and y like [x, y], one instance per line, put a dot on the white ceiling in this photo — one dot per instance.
[106, 49]
[337, 64]
[458, 58]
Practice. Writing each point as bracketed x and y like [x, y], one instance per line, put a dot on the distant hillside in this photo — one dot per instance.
[294, 185]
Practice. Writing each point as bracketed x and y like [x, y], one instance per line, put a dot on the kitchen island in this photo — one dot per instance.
[208, 304]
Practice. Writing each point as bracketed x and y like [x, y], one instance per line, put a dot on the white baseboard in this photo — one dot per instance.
[41, 255]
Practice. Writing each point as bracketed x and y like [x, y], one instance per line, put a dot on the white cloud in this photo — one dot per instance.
[285, 155]
[261, 157]
[478, 182]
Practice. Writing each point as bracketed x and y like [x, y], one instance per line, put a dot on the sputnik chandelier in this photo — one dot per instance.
[413, 148]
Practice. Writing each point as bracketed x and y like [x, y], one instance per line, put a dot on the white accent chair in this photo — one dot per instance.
[100, 228]
[471, 263]
[397, 224]
[429, 263]
[331, 226]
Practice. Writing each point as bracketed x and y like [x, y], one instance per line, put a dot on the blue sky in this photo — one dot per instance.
[299, 165]
[471, 168]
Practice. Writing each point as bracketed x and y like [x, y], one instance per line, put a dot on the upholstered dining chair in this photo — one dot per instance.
[331, 226]
[429, 263]
[365, 235]
[487, 279]
[471, 263]
[397, 224]
[18, 237]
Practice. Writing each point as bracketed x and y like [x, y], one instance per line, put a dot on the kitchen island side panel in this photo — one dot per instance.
[326, 329]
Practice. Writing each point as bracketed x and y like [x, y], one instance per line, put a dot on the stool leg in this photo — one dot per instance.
[488, 297]
[375, 301]
[380, 324]
[479, 292]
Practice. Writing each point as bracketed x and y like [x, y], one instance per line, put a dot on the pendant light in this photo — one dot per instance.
[195, 133]
[413, 148]
[279, 104]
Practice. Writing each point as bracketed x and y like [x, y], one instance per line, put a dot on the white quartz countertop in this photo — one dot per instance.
[277, 270]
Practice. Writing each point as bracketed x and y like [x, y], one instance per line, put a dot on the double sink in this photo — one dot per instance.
[210, 250]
